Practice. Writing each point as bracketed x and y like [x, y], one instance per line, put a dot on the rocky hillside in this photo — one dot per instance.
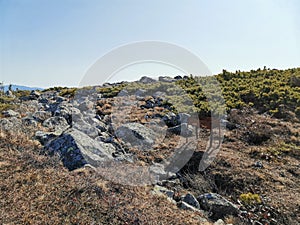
[127, 153]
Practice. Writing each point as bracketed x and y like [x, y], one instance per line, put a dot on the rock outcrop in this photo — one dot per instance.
[77, 149]
[137, 135]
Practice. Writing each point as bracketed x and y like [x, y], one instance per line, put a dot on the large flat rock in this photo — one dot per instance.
[77, 149]
[137, 135]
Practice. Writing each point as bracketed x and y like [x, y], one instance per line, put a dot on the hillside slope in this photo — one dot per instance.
[255, 173]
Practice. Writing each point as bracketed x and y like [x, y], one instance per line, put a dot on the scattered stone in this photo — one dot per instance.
[159, 95]
[140, 93]
[219, 222]
[217, 205]
[123, 93]
[29, 121]
[191, 200]
[158, 171]
[56, 123]
[41, 116]
[159, 189]
[44, 100]
[171, 119]
[60, 99]
[178, 77]
[258, 164]
[10, 113]
[101, 126]
[87, 128]
[186, 206]
[166, 79]
[183, 129]
[75, 113]
[150, 103]
[107, 147]
[103, 136]
[10, 124]
[170, 183]
[86, 106]
[52, 107]
[34, 95]
[67, 112]
[45, 137]
[147, 80]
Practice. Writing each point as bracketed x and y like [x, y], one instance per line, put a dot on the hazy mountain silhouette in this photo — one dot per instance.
[20, 87]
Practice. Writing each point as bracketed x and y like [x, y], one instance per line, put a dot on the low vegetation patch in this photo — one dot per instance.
[250, 198]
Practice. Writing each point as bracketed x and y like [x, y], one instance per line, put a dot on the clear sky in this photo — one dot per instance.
[53, 42]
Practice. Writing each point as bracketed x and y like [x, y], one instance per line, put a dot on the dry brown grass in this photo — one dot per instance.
[36, 189]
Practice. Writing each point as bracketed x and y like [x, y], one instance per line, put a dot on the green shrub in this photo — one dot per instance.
[6, 103]
[250, 199]
[68, 92]
[266, 90]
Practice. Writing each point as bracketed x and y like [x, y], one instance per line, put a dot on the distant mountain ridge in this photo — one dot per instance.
[20, 87]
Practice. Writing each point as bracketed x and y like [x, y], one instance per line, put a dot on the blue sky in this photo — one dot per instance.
[54, 42]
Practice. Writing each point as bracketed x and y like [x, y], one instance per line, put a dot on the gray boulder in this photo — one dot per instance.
[184, 117]
[191, 200]
[34, 95]
[66, 111]
[147, 80]
[44, 100]
[103, 137]
[218, 206]
[159, 94]
[123, 93]
[107, 147]
[178, 77]
[75, 114]
[186, 206]
[10, 113]
[56, 123]
[52, 107]
[219, 222]
[137, 135]
[60, 99]
[77, 149]
[171, 119]
[86, 106]
[140, 93]
[10, 124]
[24, 98]
[150, 103]
[166, 79]
[88, 128]
[160, 173]
[45, 137]
[29, 121]
[182, 129]
[162, 190]
[41, 116]
[102, 126]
